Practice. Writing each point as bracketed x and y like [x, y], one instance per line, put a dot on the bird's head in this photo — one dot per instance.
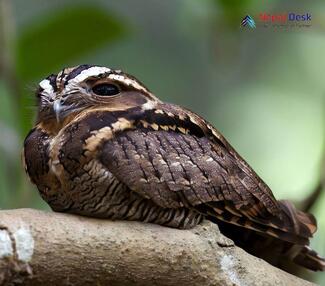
[63, 96]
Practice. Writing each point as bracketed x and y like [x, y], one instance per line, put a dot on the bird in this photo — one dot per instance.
[105, 146]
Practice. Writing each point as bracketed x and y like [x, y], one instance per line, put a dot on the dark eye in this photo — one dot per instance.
[105, 89]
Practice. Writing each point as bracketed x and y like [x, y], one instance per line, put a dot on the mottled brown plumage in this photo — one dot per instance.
[104, 146]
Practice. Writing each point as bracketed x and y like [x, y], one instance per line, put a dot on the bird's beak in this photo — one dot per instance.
[57, 107]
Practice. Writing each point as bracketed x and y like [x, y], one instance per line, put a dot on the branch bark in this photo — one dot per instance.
[45, 248]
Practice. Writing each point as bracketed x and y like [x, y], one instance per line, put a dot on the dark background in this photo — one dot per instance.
[263, 88]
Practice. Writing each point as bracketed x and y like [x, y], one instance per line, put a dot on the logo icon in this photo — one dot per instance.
[248, 21]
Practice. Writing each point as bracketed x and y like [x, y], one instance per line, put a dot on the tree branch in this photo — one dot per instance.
[41, 248]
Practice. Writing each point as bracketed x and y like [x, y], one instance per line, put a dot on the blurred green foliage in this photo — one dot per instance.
[52, 40]
[263, 89]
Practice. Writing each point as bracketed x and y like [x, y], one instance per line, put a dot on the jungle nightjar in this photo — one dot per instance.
[104, 146]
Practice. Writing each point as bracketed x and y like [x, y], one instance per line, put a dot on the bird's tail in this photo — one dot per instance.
[310, 259]
[282, 254]
[282, 248]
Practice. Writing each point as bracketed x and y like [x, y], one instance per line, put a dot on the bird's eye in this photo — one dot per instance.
[105, 89]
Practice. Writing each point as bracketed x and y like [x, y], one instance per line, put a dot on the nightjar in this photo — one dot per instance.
[104, 146]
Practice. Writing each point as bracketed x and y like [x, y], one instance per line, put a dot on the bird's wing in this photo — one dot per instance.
[181, 167]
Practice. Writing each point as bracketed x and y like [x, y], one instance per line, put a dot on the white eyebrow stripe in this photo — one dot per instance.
[127, 81]
[92, 71]
[46, 86]
[96, 71]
